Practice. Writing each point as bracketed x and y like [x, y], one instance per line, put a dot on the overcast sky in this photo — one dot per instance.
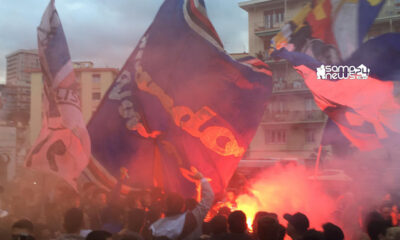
[106, 31]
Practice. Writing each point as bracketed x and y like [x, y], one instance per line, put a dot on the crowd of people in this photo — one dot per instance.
[99, 215]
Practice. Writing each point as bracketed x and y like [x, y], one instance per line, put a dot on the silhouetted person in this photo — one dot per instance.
[313, 234]
[238, 226]
[73, 223]
[298, 225]
[190, 204]
[99, 235]
[332, 232]
[184, 225]
[257, 217]
[22, 229]
[268, 228]
[225, 211]
[376, 226]
[111, 219]
[134, 223]
[219, 227]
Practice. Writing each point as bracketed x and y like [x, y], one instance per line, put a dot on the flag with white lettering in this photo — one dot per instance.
[63, 145]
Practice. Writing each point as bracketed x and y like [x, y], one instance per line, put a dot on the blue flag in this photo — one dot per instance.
[381, 55]
[179, 101]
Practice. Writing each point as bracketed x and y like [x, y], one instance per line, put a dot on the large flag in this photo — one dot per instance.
[63, 145]
[179, 101]
[329, 30]
[365, 110]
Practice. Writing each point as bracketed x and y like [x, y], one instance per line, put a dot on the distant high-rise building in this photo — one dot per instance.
[17, 64]
[15, 105]
[16, 92]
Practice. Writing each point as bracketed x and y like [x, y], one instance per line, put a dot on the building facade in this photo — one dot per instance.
[17, 63]
[15, 94]
[292, 125]
[94, 83]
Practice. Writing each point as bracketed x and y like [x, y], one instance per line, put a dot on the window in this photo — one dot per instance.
[273, 18]
[279, 106]
[96, 96]
[310, 104]
[275, 136]
[96, 78]
[311, 135]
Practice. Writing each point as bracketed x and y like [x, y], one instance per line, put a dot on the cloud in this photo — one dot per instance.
[106, 32]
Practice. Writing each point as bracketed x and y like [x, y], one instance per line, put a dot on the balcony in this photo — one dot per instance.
[261, 29]
[291, 117]
[292, 86]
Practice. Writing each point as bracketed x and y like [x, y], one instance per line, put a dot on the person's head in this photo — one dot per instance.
[225, 211]
[258, 216]
[268, 229]
[332, 232]
[313, 234]
[100, 198]
[174, 204]
[237, 222]
[22, 230]
[73, 220]
[218, 225]
[393, 233]
[376, 226]
[135, 220]
[99, 235]
[297, 224]
[385, 211]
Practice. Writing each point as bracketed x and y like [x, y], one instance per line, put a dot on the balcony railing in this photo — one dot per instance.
[284, 86]
[294, 116]
[262, 27]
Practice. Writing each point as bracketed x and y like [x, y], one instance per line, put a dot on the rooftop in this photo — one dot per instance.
[247, 5]
[29, 51]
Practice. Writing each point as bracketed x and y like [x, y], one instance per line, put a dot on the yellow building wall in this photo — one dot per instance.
[86, 95]
[87, 103]
[35, 122]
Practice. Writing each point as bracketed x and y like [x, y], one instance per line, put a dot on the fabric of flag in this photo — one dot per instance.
[179, 101]
[380, 54]
[329, 30]
[366, 111]
[332, 136]
[63, 145]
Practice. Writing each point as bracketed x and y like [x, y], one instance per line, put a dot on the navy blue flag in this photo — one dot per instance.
[179, 101]
[381, 55]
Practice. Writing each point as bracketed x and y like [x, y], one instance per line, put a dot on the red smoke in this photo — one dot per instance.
[288, 190]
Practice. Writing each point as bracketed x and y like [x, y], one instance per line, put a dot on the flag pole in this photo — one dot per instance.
[284, 10]
[317, 162]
